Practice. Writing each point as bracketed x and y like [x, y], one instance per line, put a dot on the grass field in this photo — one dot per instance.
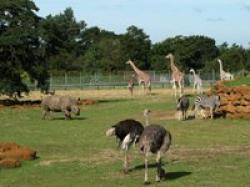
[239, 82]
[77, 153]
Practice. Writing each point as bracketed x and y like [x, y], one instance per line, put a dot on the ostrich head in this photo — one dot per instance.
[169, 56]
[146, 115]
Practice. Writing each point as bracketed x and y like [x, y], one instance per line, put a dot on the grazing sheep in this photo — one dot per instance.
[127, 131]
[182, 105]
[64, 104]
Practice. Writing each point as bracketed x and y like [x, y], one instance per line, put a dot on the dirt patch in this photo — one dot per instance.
[88, 102]
[100, 157]
[206, 153]
[163, 115]
[12, 154]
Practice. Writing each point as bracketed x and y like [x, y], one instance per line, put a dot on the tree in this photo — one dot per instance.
[21, 48]
[62, 37]
[136, 46]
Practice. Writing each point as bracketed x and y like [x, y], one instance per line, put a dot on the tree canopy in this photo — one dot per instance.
[31, 46]
[21, 48]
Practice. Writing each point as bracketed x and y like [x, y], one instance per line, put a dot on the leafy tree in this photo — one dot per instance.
[136, 46]
[62, 37]
[21, 49]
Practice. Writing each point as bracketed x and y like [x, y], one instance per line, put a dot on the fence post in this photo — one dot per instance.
[65, 80]
[213, 75]
[50, 81]
[80, 79]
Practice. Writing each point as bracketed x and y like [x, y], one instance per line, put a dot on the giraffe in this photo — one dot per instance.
[177, 75]
[223, 74]
[142, 77]
[197, 82]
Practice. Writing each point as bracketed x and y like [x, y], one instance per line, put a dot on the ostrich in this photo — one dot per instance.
[182, 105]
[197, 81]
[154, 139]
[127, 131]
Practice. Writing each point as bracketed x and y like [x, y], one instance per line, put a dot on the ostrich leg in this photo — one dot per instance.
[158, 162]
[125, 162]
[146, 169]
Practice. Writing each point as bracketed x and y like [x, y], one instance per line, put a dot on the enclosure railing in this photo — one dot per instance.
[81, 80]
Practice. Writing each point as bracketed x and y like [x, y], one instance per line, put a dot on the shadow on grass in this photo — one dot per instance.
[168, 175]
[176, 175]
[114, 100]
[12, 102]
[73, 118]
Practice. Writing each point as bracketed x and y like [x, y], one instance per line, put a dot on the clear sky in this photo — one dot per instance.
[223, 20]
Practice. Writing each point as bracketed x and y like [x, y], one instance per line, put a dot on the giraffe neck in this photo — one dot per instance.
[137, 71]
[172, 65]
[194, 75]
[221, 67]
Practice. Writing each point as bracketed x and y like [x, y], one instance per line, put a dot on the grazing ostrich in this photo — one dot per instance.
[182, 105]
[127, 131]
[197, 82]
[154, 139]
[223, 74]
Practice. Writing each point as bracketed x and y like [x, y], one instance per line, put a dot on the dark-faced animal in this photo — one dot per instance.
[127, 132]
[64, 104]
[182, 106]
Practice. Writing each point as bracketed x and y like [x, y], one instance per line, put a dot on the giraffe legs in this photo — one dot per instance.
[174, 87]
[180, 88]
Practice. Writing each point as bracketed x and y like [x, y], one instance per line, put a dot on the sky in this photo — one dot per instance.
[223, 20]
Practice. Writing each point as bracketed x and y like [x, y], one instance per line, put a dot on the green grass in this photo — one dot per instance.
[77, 153]
[239, 82]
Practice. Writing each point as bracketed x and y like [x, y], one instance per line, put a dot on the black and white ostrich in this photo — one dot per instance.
[154, 139]
[127, 131]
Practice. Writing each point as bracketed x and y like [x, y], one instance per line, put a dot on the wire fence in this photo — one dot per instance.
[80, 80]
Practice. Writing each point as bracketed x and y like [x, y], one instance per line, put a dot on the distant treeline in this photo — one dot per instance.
[31, 46]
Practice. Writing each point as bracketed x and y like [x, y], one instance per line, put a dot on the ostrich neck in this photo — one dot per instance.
[146, 120]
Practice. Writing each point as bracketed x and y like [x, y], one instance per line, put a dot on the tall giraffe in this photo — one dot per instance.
[142, 77]
[223, 74]
[177, 75]
[197, 82]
